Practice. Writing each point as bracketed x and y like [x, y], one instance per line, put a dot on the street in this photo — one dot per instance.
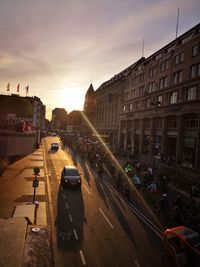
[93, 226]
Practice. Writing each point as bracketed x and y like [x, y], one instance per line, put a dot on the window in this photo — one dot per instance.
[195, 70]
[191, 93]
[178, 77]
[158, 123]
[137, 124]
[147, 103]
[147, 123]
[124, 108]
[163, 82]
[176, 59]
[133, 93]
[137, 104]
[164, 65]
[174, 97]
[160, 100]
[131, 106]
[191, 123]
[141, 90]
[152, 72]
[141, 77]
[172, 124]
[179, 58]
[195, 50]
[127, 96]
[151, 87]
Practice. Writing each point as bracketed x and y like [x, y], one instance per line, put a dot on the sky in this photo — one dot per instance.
[60, 47]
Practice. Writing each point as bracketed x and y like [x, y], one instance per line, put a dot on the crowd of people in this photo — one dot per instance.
[171, 209]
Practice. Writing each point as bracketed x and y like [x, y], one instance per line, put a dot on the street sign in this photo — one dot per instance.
[36, 170]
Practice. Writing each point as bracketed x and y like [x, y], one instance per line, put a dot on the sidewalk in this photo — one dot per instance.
[24, 234]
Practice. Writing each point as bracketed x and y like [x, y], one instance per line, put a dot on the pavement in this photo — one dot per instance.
[25, 237]
[24, 231]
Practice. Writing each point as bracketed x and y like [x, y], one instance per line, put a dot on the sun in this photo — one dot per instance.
[71, 99]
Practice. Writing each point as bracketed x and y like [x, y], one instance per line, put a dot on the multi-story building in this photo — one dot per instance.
[39, 112]
[153, 107]
[74, 123]
[59, 119]
[15, 108]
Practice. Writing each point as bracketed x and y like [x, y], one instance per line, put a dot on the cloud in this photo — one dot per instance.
[56, 44]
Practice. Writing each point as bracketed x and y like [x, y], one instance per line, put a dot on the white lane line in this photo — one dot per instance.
[82, 257]
[66, 205]
[87, 189]
[111, 226]
[136, 263]
[70, 218]
[75, 234]
[64, 196]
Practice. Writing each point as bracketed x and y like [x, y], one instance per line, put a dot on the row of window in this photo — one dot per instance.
[189, 123]
[179, 58]
[172, 97]
[164, 83]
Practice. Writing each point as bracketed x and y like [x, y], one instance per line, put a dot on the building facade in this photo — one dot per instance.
[152, 108]
[59, 119]
[15, 108]
[74, 123]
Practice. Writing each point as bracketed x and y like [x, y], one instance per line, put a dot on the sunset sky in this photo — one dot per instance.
[58, 47]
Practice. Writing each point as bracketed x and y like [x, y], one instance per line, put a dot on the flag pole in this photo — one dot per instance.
[177, 23]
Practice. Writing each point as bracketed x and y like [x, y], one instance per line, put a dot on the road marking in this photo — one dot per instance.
[70, 218]
[66, 205]
[82, 257]
[136, 263]
[75, 234]
[111, 226]
[87, 189]
[64, 196]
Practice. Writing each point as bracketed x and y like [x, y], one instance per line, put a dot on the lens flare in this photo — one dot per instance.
[124, 176]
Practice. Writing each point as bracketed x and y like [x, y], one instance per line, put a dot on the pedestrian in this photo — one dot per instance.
[162, 208]
[152, 187]
[137, 181]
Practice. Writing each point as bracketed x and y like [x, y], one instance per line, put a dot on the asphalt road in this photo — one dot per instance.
[94, 226]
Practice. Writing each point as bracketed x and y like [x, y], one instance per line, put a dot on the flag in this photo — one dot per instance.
[27, 88]
[8, 87]
[18, 88]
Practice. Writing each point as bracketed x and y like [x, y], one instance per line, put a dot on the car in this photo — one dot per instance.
[54, 146]
[70, 177]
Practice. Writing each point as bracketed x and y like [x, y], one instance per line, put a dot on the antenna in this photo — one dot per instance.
[143, 47]
[177, 22]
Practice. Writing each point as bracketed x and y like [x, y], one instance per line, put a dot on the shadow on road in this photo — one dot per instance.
[70, 218]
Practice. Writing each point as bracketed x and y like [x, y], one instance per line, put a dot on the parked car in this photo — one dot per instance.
[70, 176]
[54, 146]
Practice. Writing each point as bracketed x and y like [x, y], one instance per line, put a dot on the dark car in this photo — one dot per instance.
[70, 176]
[54, 146]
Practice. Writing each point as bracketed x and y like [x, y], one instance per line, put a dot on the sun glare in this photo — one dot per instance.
[71, 99]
